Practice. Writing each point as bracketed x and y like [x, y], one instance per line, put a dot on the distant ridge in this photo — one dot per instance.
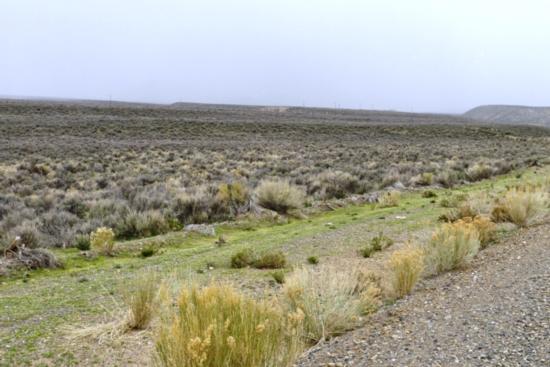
[508, 114]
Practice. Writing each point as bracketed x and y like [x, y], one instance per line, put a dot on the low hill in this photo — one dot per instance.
[511, 114]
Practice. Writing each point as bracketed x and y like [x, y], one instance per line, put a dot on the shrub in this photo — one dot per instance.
[331, 298]
[140, 300]
[279, 196]
[232, 196]
[389, 199]
[216, 326]
[313, 260]
[278, 277]
[453, 245]
[102, 240]
[447, 178]
[429, 194]
[243, 258]
[141, 224]
[520, 206]
[485, 228]
[148, 251]
[27, 233]
[193, 208]
[406, 266]
[479, 171]
[333, 184]
[464, 210]
[82, 242]
[425, 179]
[380, 242]
[377, 243]
[270, 260]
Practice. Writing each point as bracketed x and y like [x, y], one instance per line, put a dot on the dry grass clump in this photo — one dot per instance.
[141, 301]
[102, 240]
[406, 266]
[520, 206]
[453, 245]
[333, 299]
[216, 326]
[279, 195]
[389, 199]
[485, 228]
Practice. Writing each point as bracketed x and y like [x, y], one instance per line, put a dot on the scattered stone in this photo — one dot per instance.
[204, 229]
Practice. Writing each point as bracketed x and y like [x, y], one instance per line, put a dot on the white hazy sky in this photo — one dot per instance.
[421, 55]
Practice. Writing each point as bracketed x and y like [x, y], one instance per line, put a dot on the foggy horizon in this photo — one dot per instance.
[430, 56]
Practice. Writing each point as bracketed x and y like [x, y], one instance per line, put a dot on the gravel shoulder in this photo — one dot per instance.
[495, 313]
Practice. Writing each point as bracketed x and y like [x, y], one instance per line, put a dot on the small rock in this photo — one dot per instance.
[204, 229]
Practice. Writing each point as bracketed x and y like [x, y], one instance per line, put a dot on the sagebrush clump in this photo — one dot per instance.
[279, 195]
[102, 240]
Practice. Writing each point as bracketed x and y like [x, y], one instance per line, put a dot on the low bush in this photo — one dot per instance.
[453, 245]
[331, 298]
[485, 228]
[232, 196]
[102, 240]
[278, 277]
[464, 210]
[270, 260]
[279, 196]
[479, 171]
[520, 206]
[425, 179]
[333, 184]
[406, 266]
[313, 260]
[429, 194]
[243, 258]
[377, 243]
[216, 326]
[82, 242]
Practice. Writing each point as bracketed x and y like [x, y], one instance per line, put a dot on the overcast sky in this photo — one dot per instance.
[444, 56]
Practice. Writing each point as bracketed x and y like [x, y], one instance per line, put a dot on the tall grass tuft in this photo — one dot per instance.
[453, 245]
[331, 298]
[141, 301]
[406, 266]
[520, 206]
[389, 199]
[216, 326]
